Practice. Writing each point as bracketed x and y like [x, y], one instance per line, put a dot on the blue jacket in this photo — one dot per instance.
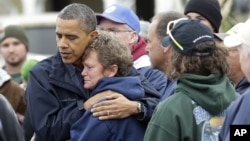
[127, 129]
[236, 114]
[159, 80]
[55, 97]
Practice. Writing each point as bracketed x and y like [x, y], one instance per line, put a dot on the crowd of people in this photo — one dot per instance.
[178, 79]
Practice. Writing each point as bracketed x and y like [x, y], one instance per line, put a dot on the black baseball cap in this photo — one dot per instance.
[185, 34]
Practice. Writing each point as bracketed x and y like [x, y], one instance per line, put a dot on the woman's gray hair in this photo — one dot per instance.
[82, 12]
[111, 51]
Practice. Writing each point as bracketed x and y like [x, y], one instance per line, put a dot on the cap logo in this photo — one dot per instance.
[201, 37]
[110, 9]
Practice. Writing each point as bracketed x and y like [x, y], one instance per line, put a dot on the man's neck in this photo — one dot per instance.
[236, 78]
[13, 69]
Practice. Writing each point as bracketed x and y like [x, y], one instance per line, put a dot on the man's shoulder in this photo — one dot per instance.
[148, 71]
[48, 65]
[49, 62]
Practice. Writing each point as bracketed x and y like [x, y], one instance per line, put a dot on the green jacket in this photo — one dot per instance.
[194, 112]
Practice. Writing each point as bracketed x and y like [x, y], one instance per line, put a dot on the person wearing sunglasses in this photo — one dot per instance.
[195, 111]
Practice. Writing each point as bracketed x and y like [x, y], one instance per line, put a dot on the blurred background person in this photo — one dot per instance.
[13, 93]
[14, 49]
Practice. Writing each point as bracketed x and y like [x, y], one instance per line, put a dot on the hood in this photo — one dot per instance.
[214, 93]
[129, 86]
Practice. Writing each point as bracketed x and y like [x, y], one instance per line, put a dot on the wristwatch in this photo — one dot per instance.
[140, 108]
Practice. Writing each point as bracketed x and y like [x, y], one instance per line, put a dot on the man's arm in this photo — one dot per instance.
[119, 106]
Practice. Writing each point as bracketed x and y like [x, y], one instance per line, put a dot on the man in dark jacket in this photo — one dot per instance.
[55, 92]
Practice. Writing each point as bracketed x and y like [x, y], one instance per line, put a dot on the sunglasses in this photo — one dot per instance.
[170, 27]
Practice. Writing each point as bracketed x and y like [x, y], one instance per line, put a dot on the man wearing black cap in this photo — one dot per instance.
[202, 88]
[206, 11]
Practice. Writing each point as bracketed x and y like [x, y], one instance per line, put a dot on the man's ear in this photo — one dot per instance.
[133, 38]
[167, 49]
[93, 34]
[111, 71]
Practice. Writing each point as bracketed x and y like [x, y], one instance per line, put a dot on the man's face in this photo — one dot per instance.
[192, 15]
[13, 51]
[154, 47]
[244, 62]
[71, 40]
[233, 61]
[121, 31]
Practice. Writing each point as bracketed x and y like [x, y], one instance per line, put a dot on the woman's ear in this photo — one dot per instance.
[111, 71]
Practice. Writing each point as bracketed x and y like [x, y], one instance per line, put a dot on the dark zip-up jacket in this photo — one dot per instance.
[55, 97]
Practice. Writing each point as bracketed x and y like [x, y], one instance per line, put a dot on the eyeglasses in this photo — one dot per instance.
[170, 27]
[113, 30]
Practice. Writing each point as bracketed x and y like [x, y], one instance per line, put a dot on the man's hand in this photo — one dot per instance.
[116, 106]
